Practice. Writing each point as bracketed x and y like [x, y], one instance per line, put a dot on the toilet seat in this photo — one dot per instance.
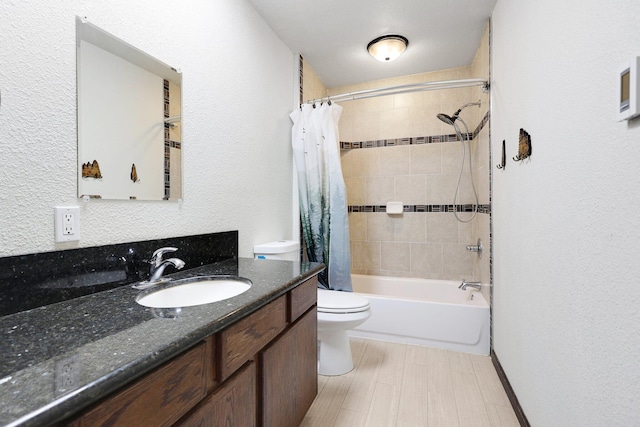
[341, 302]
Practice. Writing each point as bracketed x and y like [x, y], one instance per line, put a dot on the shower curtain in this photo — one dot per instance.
[323, 196]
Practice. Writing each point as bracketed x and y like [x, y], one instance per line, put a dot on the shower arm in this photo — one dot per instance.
[470, 104]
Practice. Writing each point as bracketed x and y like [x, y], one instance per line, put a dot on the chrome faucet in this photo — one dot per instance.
[475, 285]
[157, 267]
[158, 264]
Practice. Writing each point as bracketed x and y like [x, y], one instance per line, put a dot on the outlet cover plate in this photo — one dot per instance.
[67, 374]
[67, 223]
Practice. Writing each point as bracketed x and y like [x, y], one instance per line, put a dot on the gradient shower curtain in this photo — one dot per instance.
[323, 196]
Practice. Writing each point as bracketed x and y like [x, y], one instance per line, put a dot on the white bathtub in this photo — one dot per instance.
[433, 313]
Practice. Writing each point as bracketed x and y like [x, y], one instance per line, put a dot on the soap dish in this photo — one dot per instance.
[394, 208]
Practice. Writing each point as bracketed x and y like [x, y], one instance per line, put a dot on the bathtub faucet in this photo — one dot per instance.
[474, 285]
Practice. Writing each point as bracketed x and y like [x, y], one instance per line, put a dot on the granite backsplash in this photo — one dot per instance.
[33, 280]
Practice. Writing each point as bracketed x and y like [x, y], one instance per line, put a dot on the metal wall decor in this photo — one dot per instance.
[524, 146]
[134, 173]
[503, 160]
[91, 170]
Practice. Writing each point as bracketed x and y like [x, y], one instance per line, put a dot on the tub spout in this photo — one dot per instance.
[475, 285]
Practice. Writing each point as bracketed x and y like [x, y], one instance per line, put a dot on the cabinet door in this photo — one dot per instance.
[158, 399]
[233, 404]
[289, 368]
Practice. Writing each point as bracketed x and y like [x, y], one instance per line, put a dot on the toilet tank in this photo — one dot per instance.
[282, 249]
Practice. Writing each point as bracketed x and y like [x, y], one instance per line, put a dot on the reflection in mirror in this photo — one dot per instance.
[129, 120]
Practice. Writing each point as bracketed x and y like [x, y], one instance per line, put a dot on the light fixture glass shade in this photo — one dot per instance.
[387, 48]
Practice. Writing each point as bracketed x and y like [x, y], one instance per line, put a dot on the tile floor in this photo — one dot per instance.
[408, 386]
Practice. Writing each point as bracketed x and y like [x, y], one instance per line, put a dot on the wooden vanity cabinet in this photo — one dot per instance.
[289, 372]
[233, 404]
[241, 341]
[301, 298]
[289, 365]
[159, 398]
[261, 370]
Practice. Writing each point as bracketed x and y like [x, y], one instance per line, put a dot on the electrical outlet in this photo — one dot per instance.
[67, 374]
[67, 223]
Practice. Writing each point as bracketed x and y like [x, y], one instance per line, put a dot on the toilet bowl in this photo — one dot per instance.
[338, 312]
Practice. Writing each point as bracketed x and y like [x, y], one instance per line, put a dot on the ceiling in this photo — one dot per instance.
[332, 35]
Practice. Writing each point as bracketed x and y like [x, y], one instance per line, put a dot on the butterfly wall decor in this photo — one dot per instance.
[524, 146]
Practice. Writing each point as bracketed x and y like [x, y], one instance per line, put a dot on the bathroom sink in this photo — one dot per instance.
[194, 291]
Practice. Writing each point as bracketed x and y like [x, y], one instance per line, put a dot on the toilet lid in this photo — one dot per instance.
[341, 302]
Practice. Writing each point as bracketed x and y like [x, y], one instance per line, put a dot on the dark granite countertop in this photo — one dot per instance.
[109, 339]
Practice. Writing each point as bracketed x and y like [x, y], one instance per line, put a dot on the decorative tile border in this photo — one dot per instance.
[432, 139]
[300, 72]
[483, 209]
[168, 143]
[482, 124]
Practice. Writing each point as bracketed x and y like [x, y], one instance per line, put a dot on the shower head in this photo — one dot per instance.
[451, 119]
[448, 120]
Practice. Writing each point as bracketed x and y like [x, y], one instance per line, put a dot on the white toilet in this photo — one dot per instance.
[338, 312]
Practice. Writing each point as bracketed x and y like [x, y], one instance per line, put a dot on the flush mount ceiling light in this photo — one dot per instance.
[387, 48]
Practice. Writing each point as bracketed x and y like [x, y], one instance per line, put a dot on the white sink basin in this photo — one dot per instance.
[194, 291]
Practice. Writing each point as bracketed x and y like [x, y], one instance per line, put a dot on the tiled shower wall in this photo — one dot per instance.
[312, 86]
[423, 176]
[482, 158]
[419, 172]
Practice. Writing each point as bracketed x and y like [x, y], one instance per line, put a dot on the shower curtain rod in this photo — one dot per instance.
[394, 90]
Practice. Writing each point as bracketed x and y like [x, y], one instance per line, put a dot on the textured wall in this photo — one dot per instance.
[237, 94]
[566, 302]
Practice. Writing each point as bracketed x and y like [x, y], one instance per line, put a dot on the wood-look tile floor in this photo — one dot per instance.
[408, 386]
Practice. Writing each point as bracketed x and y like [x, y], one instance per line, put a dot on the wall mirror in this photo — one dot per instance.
[129, 120]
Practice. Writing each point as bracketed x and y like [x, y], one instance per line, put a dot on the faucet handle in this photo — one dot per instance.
[156, 258]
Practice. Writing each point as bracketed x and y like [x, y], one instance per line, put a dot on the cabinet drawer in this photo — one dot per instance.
[242, 340]
[302, 297]
[158, 399]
